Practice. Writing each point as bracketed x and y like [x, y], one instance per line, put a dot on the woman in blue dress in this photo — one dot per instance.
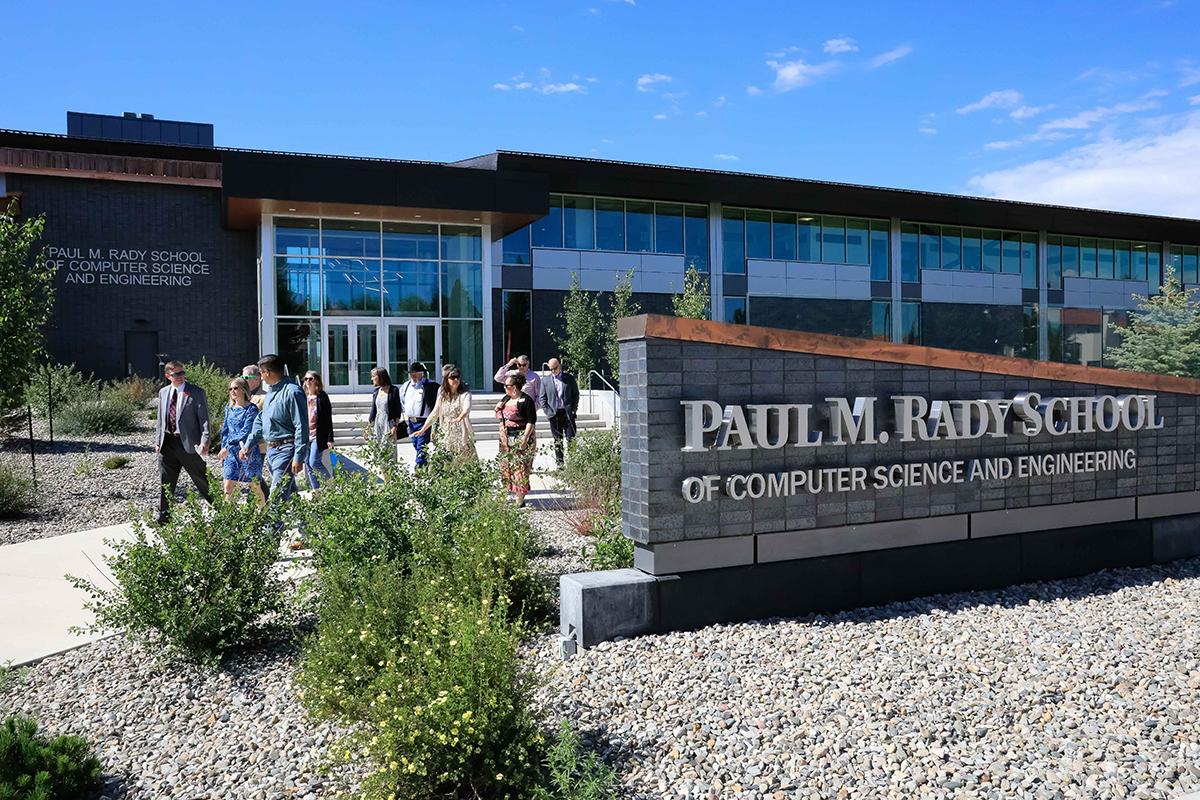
[239, 420]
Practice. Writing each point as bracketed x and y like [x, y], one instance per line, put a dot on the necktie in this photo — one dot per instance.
[171, 411]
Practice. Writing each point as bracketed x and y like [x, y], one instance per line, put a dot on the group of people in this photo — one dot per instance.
[270, 419]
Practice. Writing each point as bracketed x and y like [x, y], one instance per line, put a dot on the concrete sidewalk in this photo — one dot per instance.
[37, 604]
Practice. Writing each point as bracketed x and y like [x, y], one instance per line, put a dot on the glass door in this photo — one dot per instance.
[409, 341]
[353, 348]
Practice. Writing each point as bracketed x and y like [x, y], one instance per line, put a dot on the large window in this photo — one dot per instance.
[1185, 260]
[839, 317]
[1116, 259]
[787, 236]
[613, 224]
[972, 249]
[330, 267]
[518, 323]
[1084, 335]
[1001, 330]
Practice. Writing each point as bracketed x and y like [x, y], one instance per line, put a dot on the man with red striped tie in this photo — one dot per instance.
[181, 436]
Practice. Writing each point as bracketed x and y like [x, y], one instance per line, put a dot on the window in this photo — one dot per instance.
[735, 310]
[931, 247]
[808, 231]
[639, 226]
[415, 240]
[461, 243]
[410, 289]
[1054, 262]
[517, 323]
[974, 328]
[1105, 259]
[733, 241]
[351, 286]
[297, 237]
[462, 344]
[858, 234]
[1087, 258]
[783, 236]
[1012, 253]
[1029, 260]
[837, 317]
[299, 344]
[578, 224]
[1124, 257]
[514, 248]
[1141, 261]
[548, 231]
[350, 238]
[668, 228]
[910, 323]
[951, 248]
[462, 289]
[610, 224]
[297, 286]
[833, 240]
[881, 320]
[972, 249]
[1070, 257]
[910, 271]
[695, 235]
[991, 251]
[1154, 267]
[881, 261]
[758, 234]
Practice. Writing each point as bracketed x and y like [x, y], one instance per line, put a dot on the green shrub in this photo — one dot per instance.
[116, 462]
[613, 549]
[356, 522]
[16, 489]
[572, 772]
[215, 383]
[198, 589]
[451, 714]
[87, 417]
[135, 390]
[593, 468]
[34, 767]
[66, 385]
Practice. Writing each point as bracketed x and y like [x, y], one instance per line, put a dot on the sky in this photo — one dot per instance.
[1091, 104]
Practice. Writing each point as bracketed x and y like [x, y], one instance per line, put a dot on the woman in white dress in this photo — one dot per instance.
[452, 412]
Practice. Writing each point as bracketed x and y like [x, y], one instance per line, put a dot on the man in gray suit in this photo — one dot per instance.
[558, 398]
[181, 436]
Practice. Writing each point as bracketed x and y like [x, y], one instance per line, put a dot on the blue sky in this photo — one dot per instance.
[1093, 104]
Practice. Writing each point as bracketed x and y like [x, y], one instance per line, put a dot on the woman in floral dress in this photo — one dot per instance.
[452, 413]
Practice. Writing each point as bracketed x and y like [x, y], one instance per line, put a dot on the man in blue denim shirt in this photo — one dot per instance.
[283, 424]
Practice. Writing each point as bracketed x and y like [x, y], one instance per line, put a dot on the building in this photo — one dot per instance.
[170, 247]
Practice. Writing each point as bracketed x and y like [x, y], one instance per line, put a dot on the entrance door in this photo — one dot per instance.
[141, 354]
[353, 351]
[413, 340]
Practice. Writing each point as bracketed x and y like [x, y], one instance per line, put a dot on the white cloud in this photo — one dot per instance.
[1060, 128]
[794, 74]
[1004, 98]
[592, 79]
[518, 29]
[1003, 145]
[842, 44]
[753, 90]
[701, 113]
[928, 130]
[720, 102]
[660, 116]
[523, 85]
[1025, 112]
[1153, 174]
[725, 157]
[1189, 73]
[504, 87]
[895, 54]
[645, 83]
[786, 51]
[1194, 99]
[561, 88]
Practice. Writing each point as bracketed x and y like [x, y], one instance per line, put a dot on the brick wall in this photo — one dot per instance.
[215, 317]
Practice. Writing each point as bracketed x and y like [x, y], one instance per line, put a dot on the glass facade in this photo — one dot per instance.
[1185, 260]
[838, 317]
[1084, 335]
[517, 324]
[788, 236]
[331, 268]
[617, 225]
[1115, 259]
[973, 249]
[999, 330]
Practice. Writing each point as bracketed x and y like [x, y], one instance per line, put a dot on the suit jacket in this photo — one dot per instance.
[548, 395]
[191, 416]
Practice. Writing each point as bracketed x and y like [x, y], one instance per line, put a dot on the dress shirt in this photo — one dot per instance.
[413, 401]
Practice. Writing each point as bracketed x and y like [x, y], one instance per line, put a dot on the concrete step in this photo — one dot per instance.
[483, 433]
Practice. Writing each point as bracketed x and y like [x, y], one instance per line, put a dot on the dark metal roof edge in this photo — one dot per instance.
[860, 186]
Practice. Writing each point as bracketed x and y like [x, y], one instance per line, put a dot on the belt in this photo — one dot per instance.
[278, 442]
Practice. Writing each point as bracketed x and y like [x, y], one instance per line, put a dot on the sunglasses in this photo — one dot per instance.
[175, 374]
[308, 378]
[453, 377]
[249, 377]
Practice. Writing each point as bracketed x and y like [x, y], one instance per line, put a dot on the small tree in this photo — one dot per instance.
[26, 301]
[693, 303]
[1163, 334]
[622, 306]
[583, 330]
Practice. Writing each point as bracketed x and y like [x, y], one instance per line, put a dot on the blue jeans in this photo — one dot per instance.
[314, 463]
[279, 461]
[419, 442]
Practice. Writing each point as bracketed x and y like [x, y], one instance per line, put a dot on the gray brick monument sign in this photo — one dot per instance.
[771, 473]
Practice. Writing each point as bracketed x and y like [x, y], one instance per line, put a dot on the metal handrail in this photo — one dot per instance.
[591, 397]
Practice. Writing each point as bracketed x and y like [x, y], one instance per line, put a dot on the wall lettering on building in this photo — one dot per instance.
[114, 266]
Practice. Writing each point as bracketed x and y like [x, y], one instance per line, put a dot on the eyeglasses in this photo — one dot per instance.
[510, 386]
[453, 377]
[175, 374]
[234, 389]
[308, 378]
[249, 377]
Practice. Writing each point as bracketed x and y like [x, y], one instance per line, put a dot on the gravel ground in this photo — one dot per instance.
[237, 733]
[75, 491]
[1085, 688]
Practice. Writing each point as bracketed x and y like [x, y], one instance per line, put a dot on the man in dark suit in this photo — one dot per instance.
[181, 436]
[558, 397]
